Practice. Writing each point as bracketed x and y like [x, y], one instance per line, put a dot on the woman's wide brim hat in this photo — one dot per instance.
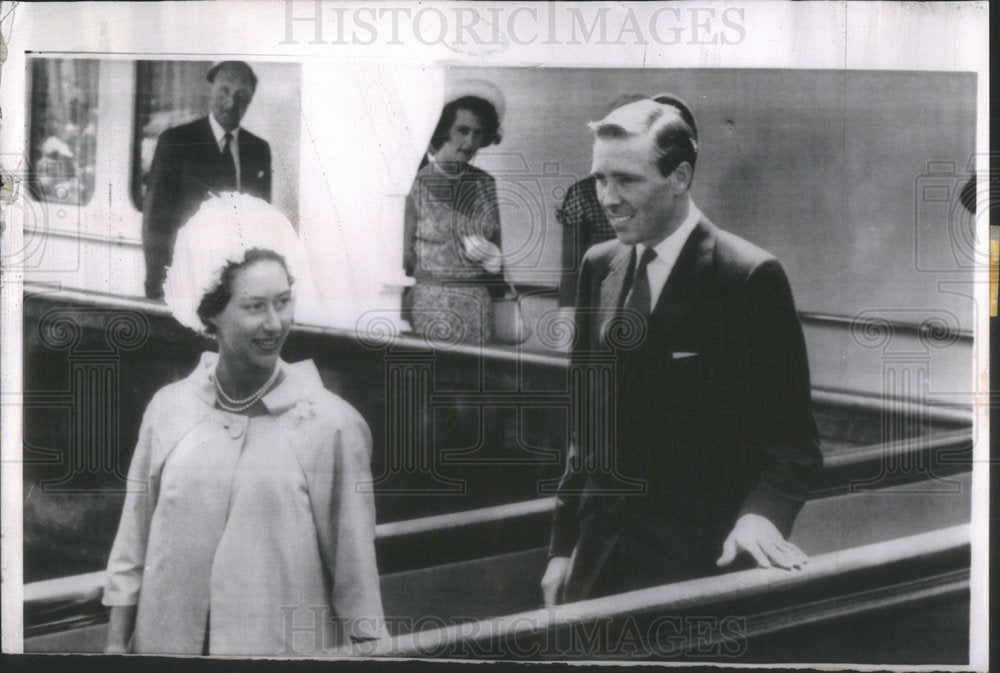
[221, 232]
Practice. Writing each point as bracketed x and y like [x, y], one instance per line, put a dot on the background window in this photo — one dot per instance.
[168, 93]
[63, 130]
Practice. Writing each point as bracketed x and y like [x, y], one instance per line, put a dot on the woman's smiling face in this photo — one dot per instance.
[253, 326]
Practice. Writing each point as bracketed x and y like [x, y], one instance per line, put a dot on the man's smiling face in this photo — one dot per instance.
[639, 202]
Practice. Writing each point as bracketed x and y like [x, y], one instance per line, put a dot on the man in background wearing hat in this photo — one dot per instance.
[694, 441]
[209, 155]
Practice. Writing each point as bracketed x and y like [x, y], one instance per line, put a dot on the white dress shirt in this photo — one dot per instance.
[667, 252]
[234, 145]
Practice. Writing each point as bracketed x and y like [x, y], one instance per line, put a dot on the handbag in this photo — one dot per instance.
[509, 325]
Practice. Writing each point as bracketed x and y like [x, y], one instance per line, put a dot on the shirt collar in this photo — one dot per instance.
[220, 132]
[669, 249]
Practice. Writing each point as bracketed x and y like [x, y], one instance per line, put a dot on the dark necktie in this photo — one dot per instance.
[227, 178]
[639, 297]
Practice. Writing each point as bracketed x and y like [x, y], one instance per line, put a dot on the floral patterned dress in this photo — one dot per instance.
[452, 297]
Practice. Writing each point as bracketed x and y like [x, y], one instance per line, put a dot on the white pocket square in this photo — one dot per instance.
[680, 355]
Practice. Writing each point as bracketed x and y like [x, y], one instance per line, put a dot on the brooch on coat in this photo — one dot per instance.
[304, 410]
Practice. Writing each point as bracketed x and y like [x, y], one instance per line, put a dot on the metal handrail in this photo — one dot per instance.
[464, 518]
[681, 595]
[872, 403]
[875, 452]
[73, 588]
[911, 328]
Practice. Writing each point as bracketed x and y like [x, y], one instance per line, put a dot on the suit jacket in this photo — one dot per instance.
[705, 415]
[187, 165]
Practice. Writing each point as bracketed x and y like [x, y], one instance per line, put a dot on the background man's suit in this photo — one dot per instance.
[187, 165]
[584, 226]
[712, 412]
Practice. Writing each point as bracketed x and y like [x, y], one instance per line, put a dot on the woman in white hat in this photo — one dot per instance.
[243, 516]
[452, 224]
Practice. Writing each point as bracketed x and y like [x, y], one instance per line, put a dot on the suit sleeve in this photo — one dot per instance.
[160, 213]
[783, 434]
[128, 554]
[565, 528]
[266, 189]
[564, 522]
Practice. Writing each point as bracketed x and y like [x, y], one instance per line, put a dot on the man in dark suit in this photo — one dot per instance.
[700, 445]
[209, 155]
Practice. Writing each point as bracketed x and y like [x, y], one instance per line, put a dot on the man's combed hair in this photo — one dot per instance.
[666, 119]
[242, 68]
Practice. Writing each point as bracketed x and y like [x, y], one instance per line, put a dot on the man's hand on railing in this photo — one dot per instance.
[554, 580]
[760, 538]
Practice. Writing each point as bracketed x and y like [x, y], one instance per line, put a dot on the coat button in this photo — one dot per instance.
[236, 429]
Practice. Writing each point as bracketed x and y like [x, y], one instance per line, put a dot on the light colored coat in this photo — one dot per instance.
[252, 530]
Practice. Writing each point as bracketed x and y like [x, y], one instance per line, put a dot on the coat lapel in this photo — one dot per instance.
[680, 293]
[206, 158]
[613, 285]
[247, 148]
[206, 139]
[684, 284]
[613, 288]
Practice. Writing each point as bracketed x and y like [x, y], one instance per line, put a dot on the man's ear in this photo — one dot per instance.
[682, 176]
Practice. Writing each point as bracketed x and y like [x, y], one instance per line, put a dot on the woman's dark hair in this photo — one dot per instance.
[214, 301]
[484, 111]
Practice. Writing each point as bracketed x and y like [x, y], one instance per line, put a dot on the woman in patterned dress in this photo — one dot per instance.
[452, 224]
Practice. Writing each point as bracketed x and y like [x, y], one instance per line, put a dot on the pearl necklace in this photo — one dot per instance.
[229, 404]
